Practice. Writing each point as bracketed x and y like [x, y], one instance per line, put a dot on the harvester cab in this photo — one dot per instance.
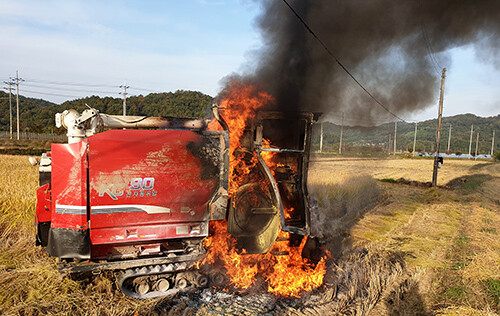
[278, 199]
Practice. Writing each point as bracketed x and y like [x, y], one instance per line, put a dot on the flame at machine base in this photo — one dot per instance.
[287, 275]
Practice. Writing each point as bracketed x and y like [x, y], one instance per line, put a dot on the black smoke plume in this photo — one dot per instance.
[388, 45]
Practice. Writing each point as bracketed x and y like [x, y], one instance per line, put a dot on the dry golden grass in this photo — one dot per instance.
[337, 170]
[449, 239]
[29, 281]
[452, 236]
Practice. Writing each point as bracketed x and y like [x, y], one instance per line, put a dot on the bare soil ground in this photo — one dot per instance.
[398, 249]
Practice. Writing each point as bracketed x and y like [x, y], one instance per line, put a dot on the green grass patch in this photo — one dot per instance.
[387, 180]
[489, 230]
[469, 184]
[492, 287]
[460, 264]
[456, 293]
[462, 241]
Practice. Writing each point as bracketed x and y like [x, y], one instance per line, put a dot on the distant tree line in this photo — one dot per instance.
[378, 137]
[37, 115]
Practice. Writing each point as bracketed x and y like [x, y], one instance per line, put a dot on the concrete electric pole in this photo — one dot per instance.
[492, 143]
[124, 93]
[341, 133]
[438, 132]
[415, 138]
[395, 135]
[17, 80]
[477, 142]
[10, 84]
[449, 139]
[321, 139]
[470, 140]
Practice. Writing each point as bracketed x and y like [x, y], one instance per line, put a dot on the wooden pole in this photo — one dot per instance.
[438, 132]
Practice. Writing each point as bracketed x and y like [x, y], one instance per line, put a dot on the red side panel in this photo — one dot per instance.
[43, 204]
[69, 186]
[149, 184]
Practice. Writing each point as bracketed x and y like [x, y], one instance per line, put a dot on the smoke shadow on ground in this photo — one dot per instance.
[468, 183]
[336, 208]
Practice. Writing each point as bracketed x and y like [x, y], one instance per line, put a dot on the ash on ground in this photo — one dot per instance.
[362, 281]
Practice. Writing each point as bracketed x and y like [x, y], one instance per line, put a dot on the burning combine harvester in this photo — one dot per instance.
[173, 204]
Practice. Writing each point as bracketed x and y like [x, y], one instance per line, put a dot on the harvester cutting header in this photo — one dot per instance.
[136, 194]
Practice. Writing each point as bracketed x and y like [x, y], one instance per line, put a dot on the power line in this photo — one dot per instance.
[361, 118]
[433, 59]
[52, 94]
[143, 89]
[71, 83]
[60, 83]
[339, 63]
[58, 88]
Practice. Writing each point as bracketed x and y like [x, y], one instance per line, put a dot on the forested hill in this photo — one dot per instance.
[426, 134]
[37, 115]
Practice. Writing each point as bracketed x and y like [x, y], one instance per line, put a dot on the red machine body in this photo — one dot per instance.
[126, 193]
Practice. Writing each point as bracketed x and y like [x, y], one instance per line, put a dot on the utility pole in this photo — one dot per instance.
[415, 138]
[124, 93]
[470, 141]
[395, 135]
[341, 133]
[321, 139]
[389, 145]
[10, 83]
[438, 132]
[17, 80]
[449, 139]
[492, 143]
[477, 142]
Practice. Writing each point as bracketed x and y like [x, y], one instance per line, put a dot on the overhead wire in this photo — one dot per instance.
[433, 59]
[66, 89]
[143, 89]
[339, 62]
[72, 83]
[52, 94]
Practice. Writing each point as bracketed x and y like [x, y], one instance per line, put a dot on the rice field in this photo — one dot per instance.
[336, 170]
[449, 236]
[448, 240]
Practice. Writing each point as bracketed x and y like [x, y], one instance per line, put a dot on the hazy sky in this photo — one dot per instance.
[70, 49]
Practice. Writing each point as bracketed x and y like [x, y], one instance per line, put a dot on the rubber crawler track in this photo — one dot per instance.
[181, 277]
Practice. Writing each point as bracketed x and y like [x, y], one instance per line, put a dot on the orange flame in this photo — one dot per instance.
[286, 275]
[240, 106]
